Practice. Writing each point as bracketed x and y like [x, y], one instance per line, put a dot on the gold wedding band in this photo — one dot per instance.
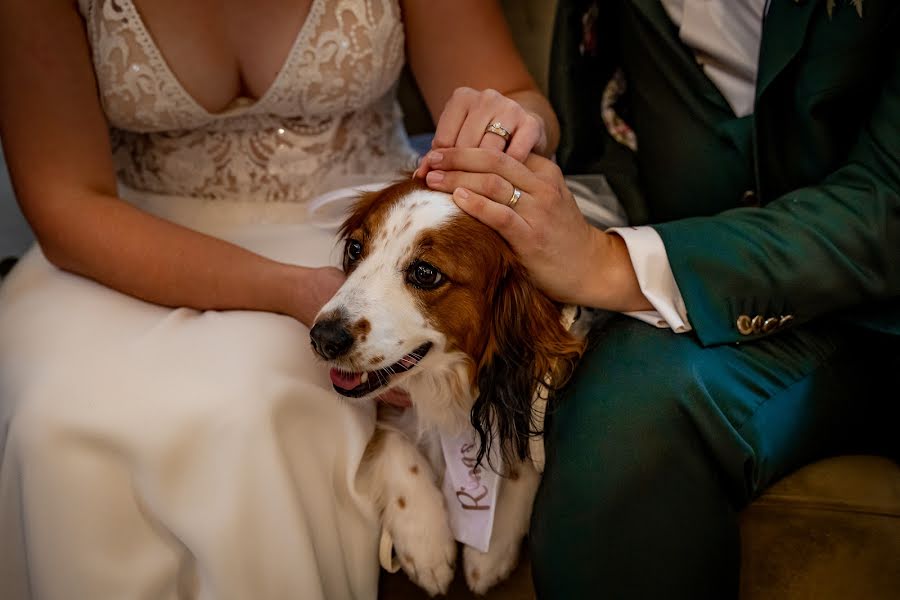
[514, 199]
[498, 129]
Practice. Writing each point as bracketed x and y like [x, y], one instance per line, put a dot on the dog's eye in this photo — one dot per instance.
[352, 252]
[424, 275]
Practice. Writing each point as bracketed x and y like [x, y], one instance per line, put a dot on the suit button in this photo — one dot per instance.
[757, 323]
[744, 325]
[750, 199]
[770, 324]
[785, 320]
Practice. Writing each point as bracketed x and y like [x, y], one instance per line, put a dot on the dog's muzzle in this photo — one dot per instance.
[331, 339]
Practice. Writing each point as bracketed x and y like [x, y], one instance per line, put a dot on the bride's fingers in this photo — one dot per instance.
[485, 108]
[472, 131]
[451, 121]
[499, 131]
[494, 141]
[527, 137]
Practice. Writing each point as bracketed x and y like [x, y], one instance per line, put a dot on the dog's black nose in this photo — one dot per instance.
[330, 339]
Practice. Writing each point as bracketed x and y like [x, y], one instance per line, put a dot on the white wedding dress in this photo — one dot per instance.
[155, 453]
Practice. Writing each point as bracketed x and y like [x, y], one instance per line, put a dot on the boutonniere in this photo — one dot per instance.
[857, 4]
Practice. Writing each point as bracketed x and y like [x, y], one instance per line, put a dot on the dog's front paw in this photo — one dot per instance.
[426, 549]
[484, 570]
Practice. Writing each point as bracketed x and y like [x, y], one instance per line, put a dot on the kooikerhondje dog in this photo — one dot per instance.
[436, 302]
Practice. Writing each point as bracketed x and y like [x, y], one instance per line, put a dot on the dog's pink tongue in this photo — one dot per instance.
[345, 381]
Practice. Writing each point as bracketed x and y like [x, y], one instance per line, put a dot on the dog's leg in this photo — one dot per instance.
[485, 569]
[412, 507]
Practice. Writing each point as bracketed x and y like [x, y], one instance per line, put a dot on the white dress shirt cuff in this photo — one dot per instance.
[654, 274]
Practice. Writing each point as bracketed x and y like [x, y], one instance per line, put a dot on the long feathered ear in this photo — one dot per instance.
[527, 342]
[358, 212]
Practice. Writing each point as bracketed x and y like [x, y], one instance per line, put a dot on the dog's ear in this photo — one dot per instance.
[527, 342]
[358, 212]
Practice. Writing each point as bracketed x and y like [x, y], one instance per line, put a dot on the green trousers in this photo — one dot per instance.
[658, 443]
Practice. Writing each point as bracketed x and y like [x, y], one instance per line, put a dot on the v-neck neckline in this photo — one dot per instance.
[236, 105]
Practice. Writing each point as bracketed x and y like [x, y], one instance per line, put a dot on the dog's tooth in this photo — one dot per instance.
[364, 377]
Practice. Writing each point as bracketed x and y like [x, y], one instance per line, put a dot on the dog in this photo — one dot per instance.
[436, 303]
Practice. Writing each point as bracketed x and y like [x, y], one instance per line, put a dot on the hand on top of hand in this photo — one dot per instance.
[468, 116]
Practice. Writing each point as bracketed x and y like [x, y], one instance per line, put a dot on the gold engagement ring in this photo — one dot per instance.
[498, 129]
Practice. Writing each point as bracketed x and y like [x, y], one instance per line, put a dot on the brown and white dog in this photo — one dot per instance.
[436, 303]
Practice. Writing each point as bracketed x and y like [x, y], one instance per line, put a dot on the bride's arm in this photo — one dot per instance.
[57, 148]
[464, 45]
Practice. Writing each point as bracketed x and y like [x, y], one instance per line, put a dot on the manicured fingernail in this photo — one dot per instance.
[434, 176]
[435, 157]
[461, 193]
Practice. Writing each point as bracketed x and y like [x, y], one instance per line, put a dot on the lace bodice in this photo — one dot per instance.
[330, 113]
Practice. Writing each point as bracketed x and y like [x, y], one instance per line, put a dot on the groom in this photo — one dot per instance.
[768, 182]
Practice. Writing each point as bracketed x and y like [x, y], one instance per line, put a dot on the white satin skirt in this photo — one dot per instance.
[152, 453]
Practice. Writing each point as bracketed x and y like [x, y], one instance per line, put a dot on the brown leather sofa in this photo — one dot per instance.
[830, 531]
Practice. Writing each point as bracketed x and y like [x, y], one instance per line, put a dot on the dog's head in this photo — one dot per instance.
[437, 303]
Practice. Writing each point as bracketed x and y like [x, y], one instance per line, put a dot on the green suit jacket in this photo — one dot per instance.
[793, 211]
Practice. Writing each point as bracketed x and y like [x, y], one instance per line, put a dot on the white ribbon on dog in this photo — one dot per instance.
[470, 492]
[470, 489]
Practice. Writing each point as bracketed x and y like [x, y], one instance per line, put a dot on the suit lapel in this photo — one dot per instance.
[656, 16]
[783, 33]
[784, 30]
[655, 13]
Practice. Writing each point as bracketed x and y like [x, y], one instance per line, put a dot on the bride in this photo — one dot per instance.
[166, 432]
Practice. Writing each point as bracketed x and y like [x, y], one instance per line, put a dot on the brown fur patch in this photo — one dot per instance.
[473, 258]
[555, 349]
[361, 327]
[376, 359]
[371, 209]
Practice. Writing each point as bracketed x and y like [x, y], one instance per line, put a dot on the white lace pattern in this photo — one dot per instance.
[330, 113]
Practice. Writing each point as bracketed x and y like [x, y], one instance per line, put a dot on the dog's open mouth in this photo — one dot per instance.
[356, 385]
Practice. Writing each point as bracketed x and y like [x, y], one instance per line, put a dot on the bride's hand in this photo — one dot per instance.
[488, 119]
[319, 285]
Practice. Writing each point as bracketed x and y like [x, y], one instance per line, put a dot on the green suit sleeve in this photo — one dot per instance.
[811, 252]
